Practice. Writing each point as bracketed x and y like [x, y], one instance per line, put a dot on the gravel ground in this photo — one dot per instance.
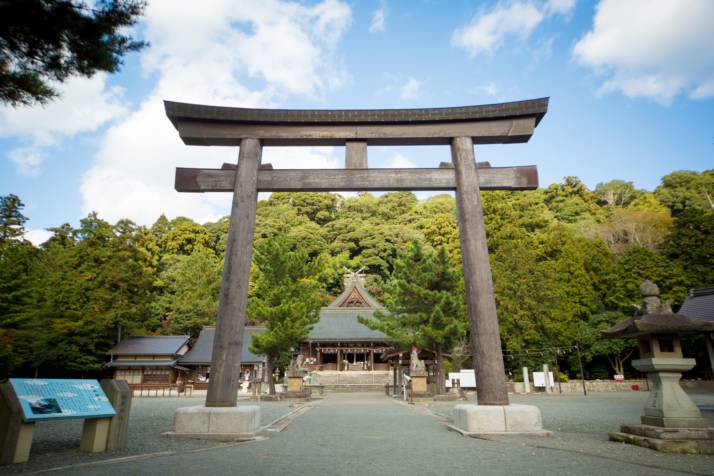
[56, 443]
[359, 434]
[580, 425]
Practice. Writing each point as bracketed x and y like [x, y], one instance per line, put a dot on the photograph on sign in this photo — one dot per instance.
[44, 399]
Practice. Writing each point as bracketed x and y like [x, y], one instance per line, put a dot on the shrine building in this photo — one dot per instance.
[339, 342]
[148, 359]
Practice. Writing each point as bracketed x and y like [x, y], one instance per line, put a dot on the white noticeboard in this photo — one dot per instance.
[467, 377]
[539, 379]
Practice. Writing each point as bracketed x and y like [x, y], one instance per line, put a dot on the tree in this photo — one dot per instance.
[12, 221]
[616, 193]
[425, 302]
[286, 299]
[685, 190]
[592, 344]
[191, 288]
[47, 41]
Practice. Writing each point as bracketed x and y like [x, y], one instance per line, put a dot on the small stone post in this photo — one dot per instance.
[526, 382]
[548, 389]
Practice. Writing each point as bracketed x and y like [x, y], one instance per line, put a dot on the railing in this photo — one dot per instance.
[161, 389]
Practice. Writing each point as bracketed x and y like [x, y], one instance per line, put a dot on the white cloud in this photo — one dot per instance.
[203, 54]
[410, 89]
[27, 160]
[489, 29]
[37, 236]
[84, 105]
[489, 89]
[399, 161]
[559, 7]
[650, 49]
[379, 18]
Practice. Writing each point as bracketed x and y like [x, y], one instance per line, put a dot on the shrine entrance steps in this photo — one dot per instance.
[349, 381]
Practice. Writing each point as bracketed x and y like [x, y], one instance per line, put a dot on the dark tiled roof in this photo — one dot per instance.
[149, 345]
[532, 107]
[202, 350]
[342, 325]
[141, 363]
[699, 304]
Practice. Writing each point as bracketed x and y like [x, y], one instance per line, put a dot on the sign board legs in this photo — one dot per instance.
[15, 435]
[119, 394]
[94, 435]
[485, 337]
[230, 323]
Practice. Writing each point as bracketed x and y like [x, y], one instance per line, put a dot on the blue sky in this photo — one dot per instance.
[631, 87]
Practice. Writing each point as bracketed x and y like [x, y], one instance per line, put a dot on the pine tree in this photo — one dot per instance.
[425, 300]
[286, 298]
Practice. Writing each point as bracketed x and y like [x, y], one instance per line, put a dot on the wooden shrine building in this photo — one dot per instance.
[198, 359]
[148, 359]
[339, 342]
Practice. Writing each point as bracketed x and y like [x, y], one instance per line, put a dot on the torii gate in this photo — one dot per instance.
[252, 129]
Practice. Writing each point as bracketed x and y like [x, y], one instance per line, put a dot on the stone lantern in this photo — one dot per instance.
[670, 421]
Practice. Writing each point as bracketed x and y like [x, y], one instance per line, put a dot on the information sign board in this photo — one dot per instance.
[50, 399]
[539, 379]
[467, 377]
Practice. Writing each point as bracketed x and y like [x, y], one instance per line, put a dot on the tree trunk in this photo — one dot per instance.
[269, 374]
[440, 384]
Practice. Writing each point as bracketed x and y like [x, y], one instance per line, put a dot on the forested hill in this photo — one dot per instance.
[567, 261]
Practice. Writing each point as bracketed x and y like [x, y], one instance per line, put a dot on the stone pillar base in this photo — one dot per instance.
[476, 420]
[667, 440]
[216, 423]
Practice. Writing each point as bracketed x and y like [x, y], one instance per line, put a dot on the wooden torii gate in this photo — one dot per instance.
[252, 129]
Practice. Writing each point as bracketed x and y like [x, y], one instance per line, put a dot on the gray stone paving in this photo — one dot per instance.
[362, 434]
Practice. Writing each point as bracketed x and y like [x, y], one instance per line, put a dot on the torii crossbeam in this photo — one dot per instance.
[459, 127]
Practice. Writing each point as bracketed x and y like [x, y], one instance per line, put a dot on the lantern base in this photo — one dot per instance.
[667, 440]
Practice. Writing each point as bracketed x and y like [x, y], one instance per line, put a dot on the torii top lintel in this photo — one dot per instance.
[486, 124]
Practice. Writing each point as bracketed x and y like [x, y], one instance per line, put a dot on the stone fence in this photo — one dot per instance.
[576, 386]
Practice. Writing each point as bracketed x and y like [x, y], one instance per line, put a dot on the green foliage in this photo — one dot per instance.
[192, 284]
[685, 190]
[425, 302]
[617, 351]
[12, 221]
[286, 298]
[45, 41]
[616, 193]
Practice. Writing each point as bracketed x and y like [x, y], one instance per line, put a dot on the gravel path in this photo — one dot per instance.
[56, 443]
[366, 434]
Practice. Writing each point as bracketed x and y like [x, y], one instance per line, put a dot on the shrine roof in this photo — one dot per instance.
[339, 321]
[202, 350]
[198, 112]
[699, 304]
[149, 345]
[342, 325]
